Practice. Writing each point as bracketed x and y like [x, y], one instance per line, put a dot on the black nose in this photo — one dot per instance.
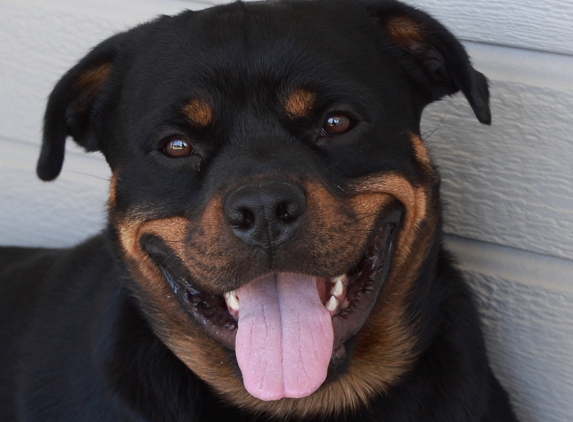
[265, 214]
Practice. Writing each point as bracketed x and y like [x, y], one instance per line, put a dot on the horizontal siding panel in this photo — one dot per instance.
[529, 335]
[500, 262]
[526, 305]
[41, 40]
[512, 183]
[126, 11]
[51, 214]
[530, 24]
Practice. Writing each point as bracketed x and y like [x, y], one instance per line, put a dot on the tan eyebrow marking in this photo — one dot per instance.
[199, 112]
[299, 103]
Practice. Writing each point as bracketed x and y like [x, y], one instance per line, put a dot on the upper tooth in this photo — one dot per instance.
[232, 300]
[338, 288]
[332, 304]
[342, 278]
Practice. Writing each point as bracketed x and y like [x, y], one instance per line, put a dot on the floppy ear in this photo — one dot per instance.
[79, 100]
[441, 57]
[71, 107]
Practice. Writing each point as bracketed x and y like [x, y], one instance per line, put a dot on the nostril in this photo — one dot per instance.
[287, 212]
[242, 218]
[248, 219]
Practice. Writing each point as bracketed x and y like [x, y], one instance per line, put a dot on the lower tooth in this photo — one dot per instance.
[332, 305]
[232, 301]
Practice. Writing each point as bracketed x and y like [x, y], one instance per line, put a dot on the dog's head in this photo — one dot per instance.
[271, 194]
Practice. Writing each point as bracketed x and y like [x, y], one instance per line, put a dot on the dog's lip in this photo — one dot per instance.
[364, 287]
[204, 308]
[364, 283]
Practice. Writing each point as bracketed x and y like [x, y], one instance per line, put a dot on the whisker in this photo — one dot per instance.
[441, 121]
[88, 174]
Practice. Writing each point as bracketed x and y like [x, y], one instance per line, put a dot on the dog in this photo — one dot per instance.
[274, 244]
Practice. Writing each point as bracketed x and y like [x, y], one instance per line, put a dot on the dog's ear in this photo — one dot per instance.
[70, 107]
[79, 99]
[440, 55]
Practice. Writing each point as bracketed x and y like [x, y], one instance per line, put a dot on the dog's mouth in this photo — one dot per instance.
[287, 329]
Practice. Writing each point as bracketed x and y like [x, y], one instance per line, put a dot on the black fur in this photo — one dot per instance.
[77, 343]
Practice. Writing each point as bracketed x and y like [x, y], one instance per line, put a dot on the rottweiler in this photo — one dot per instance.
[274, 247]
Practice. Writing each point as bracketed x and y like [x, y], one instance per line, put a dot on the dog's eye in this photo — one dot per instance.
[336, 124]
[178, 147]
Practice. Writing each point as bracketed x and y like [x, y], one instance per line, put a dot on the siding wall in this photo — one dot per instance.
[508, 188]
[509, 192]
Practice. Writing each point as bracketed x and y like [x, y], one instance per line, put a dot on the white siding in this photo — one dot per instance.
[508, 188]
[543, 25]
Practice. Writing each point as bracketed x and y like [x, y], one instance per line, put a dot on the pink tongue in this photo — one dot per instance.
[284, 340]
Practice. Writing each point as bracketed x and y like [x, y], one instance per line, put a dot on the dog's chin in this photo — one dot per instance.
[347, 299]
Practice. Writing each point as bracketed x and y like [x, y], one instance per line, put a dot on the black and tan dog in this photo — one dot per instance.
[274, 247]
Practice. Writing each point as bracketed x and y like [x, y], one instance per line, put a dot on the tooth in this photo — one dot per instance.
[338, 289]
[342, 278]
[232, 300]
[332, 304]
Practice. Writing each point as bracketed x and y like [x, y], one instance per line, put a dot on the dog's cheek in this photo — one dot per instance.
[385, 346]
[168, 319]
[331, 239]
[130, 231]
[423, 159]
[202, 355]
[210, 249]
[333, 234]
[112, 199]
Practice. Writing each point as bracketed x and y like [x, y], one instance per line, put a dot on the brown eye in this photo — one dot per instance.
[178, 147]
[336, 124]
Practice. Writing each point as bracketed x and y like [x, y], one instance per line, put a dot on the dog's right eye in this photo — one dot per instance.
[336, 124]
[177, 147]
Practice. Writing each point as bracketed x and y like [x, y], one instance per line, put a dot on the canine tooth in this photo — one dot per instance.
[232, 300]
[332, 304]
[342, 278]
[338, 289]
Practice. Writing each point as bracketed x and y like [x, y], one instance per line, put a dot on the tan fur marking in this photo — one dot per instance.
[413, 199]
[300, 103]
[336, 231]
[112, 200]
[170, 321]
[422, 154]
[89, 83]
[405, 31]
[199, 112]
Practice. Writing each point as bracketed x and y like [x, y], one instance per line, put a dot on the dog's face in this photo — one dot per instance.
[271, 194]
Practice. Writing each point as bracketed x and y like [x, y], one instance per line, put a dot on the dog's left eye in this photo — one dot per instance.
[178, 147]
[336, 124]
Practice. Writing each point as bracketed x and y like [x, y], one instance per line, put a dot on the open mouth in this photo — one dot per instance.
[287, 328]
